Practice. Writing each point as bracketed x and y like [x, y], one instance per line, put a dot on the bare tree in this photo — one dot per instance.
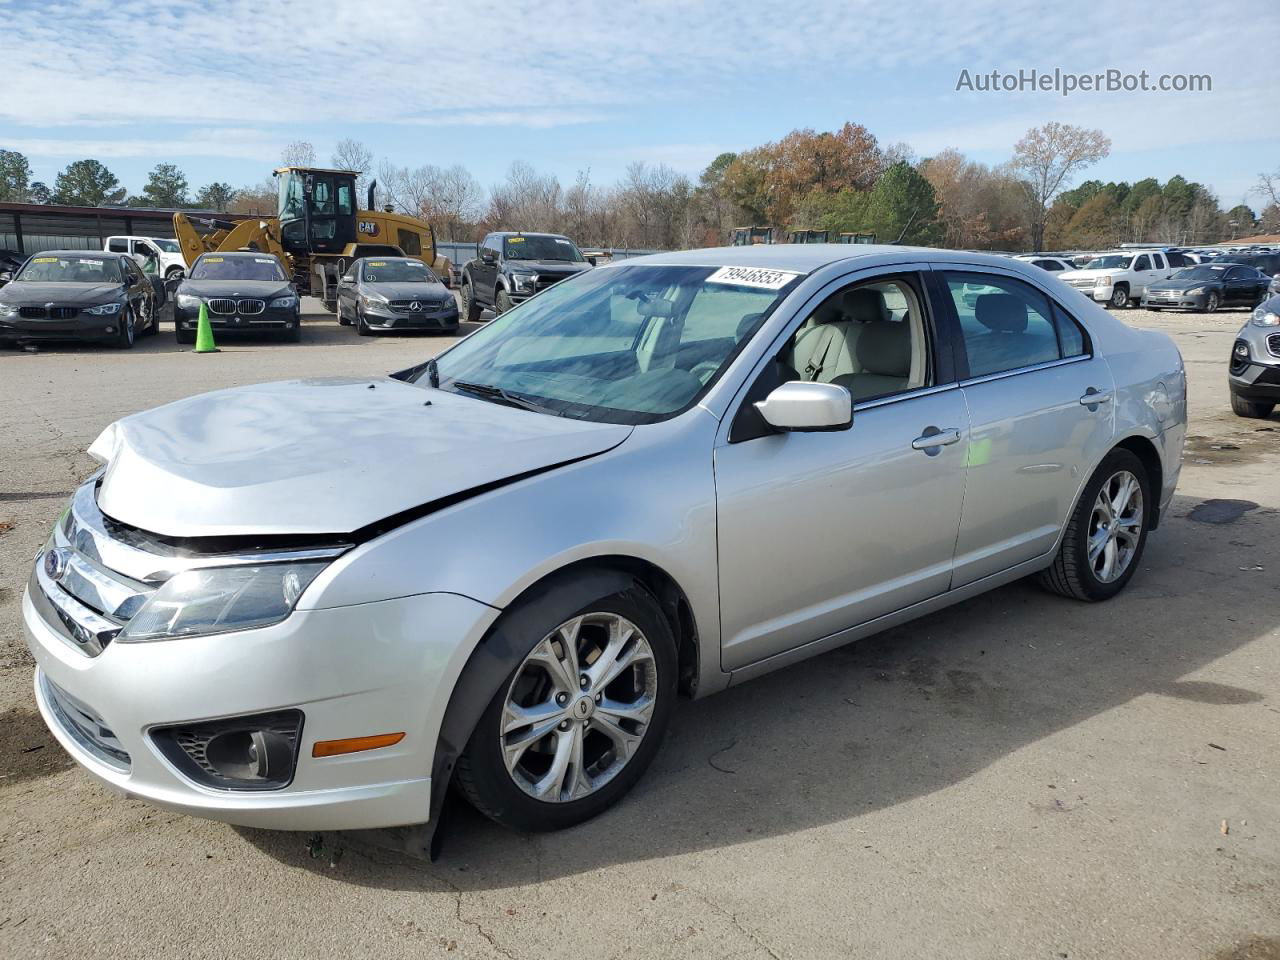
[351, 154]
[299, 153]
[456, 198]
[1047, 158]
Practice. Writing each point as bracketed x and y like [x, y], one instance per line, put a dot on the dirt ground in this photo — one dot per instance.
[1020, 776]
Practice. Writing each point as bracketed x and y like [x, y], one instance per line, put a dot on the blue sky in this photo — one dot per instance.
[220, 88]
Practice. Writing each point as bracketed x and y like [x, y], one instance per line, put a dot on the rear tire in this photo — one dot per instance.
[1253, 409]
[595, 771]
[470, 309]
[1102, 545]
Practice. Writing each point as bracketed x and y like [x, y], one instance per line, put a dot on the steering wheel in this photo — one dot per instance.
[705, 370]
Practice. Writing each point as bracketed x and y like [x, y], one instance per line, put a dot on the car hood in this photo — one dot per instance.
[260, 289]
[24, 293]
[548, 266]
[408, 291]
[1085, 274]
[1180, 284]
[321, 456]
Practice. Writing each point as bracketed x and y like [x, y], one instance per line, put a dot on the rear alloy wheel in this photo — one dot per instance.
[578, 721]
[1120, 296]
[1106, 534]
[470, 309]
[1251, 408]
[1211, 302]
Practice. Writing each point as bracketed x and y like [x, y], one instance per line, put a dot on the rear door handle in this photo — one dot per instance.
[933, 437]
[1094, 397]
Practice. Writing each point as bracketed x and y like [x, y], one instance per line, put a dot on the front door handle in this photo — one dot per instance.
[1094, 397]
[933, 438]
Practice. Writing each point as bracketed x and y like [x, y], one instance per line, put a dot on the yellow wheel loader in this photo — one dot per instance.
[317, 232]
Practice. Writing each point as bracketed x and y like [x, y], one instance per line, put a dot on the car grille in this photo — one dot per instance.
[225, 306]
[1273, 344]
[545, 281]
[424, 306]
[1172, 296]
[84, 726]
[1087, 282]
[47, 313]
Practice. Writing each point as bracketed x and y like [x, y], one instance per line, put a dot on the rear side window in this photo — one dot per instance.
[118, 245]
[1007, 324]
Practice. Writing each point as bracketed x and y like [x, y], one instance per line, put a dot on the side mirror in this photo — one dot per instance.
[591, 260]
[806, 407]
[487, 256]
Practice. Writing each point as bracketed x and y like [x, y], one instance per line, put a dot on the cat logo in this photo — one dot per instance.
[369, 227]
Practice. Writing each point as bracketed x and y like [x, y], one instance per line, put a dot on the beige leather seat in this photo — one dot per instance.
[826, 349]
[884, 360]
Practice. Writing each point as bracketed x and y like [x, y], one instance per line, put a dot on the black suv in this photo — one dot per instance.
[514, 266]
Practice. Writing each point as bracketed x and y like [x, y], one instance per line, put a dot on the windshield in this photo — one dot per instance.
[1200, 273]
[542, 248]
[168, 246]
[627, 344]
[1114, 262]
[396, 271]
[71, 269]
[237, 268]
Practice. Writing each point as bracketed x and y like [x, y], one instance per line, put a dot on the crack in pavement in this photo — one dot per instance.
[737, 925]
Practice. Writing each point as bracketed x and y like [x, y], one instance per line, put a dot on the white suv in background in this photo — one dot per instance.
[1120, 278]
[166, 251]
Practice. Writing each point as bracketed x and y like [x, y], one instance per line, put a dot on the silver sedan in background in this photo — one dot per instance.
[315, 604]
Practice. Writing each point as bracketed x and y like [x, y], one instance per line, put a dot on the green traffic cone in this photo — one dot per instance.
[204, 332]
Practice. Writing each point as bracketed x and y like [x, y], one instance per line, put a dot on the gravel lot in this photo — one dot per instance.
[1020, 776]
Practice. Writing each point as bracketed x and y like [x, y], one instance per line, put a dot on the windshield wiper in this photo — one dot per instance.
[499, 395]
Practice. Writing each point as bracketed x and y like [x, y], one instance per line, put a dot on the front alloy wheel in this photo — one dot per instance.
[1120, 297]
[578, 707]
[1211, 302]
[579, 719]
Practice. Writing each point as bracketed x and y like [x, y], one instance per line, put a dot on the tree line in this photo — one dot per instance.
[841, 181]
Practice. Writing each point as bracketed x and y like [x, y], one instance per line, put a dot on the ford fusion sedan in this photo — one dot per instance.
[243, 292]
[1254, 372]
[396, 294]
[320, 603]
[77, 295]
[1208, 287]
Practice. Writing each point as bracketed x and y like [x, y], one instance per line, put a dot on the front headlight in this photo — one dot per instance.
[524, 281]
[221, 600]
[104, 310]
[1103, 282]
[1193, 292]
[373, 300]
[8, 310]
[283, 303]
[187, 301]
[1262, 317]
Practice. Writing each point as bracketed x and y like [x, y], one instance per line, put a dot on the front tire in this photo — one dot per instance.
[126, 336]
[576, 724]
[362, 328]
[1252, 409]
[1106, 533]
[1119, 297]
[1211, 302]
[502, 302]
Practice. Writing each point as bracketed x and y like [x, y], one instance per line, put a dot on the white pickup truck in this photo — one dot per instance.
[1119, 279]
[166, 251]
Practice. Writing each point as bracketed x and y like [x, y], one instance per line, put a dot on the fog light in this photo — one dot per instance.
[1242, 351]
[110, 329]
[256, 752]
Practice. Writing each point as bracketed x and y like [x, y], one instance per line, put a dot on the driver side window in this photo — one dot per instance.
[868, 338]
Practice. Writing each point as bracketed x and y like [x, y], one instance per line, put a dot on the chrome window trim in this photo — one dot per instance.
[1032, 368]
[907, 395]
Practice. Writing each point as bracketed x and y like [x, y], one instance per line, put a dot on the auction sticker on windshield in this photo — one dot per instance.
[760, 277]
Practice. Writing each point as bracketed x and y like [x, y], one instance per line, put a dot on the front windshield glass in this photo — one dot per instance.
[396, 271]
[168, 246]
[71, 269]
[542, 248]
[237, 268]
[1113, 262]
[290, 205]
[1200, 273]
[627, 344]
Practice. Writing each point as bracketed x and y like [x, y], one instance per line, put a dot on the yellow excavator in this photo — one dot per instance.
[317, 231]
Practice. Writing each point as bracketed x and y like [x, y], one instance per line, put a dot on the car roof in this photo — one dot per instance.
[238, 253]
[526, 233]
[80, 253]
[807, 257]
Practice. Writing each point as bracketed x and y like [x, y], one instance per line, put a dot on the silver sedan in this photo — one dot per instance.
[316, 604]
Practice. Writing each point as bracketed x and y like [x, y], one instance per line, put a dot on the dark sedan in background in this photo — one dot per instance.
[245, 292]
[395, 293]
[1207, 287]
[78, 295]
